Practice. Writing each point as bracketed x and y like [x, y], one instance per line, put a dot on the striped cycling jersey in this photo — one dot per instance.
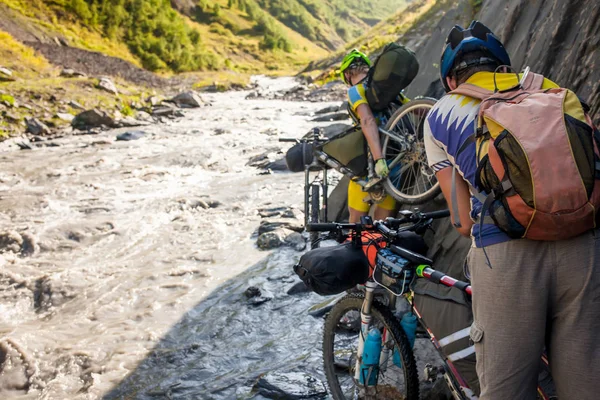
[449, 123]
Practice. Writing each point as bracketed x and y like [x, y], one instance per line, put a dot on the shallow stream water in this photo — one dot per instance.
[122, 250]
[135, 258]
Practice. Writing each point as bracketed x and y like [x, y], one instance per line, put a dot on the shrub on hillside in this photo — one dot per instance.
[154, 32]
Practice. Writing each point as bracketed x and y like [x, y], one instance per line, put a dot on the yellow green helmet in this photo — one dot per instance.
[354, 57]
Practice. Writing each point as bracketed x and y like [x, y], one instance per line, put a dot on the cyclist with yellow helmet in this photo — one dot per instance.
[354, 70]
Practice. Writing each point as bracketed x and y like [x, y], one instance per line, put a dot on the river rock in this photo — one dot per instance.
[12, 117]
[36, 127]
[327, 110]
[130, 122]
[71, 73]
[65, 117]
[107, 85]
[131, 135]
[270, 240]
[10, 241]
[188, 98]
[297, 288]
[6, 75]
[92, 119]
[29, 246]
[272, 225]
[153, 100]
[290, 385]
[332, 117]
[296, 241]
[277, 165]
[76, 105]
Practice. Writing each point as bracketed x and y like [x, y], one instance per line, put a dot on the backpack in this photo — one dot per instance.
[537, 160]
[393, 71]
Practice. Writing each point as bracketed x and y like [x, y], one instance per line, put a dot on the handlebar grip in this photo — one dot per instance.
[288, 140]
[437, 214]
[321, 227]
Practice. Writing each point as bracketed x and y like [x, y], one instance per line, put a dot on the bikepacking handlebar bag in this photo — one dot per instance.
[334, 269]
[393, 71]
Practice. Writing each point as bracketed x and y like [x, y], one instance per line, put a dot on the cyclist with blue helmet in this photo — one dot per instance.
[353, 70]
[536, 293]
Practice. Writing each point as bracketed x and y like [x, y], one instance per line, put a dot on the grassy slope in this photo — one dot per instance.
[237, 52]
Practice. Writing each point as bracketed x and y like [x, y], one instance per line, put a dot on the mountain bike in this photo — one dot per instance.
[410, 181]
[390, 371]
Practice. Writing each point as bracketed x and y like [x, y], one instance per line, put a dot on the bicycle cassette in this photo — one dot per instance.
[377, 196]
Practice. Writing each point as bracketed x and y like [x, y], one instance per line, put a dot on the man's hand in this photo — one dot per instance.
[381, 168]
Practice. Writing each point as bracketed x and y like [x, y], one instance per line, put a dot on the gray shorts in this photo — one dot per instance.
[537, 294]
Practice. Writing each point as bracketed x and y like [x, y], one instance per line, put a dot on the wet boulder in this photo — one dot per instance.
[189, 99]
[272, 225]
[290, 385]
[92, 119]
[131, 135]
[296, 241]
[271, 240]
[328, 110]
[10, 241]
[297, 288]
[255, 296]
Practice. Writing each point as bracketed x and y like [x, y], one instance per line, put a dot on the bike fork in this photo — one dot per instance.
[365, 323]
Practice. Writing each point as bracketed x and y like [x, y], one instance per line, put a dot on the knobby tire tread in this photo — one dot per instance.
[354, 301]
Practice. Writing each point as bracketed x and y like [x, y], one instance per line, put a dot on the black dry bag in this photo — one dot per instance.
[393, 71]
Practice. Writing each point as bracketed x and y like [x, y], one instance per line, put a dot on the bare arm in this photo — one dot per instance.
[463, 198]
[370, 130]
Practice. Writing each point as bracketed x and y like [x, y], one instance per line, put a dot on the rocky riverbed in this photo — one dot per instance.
[130, 266]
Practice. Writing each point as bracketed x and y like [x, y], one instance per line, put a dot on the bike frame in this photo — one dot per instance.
[457, 384]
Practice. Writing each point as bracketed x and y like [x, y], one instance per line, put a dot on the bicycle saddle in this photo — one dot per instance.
[411, 256]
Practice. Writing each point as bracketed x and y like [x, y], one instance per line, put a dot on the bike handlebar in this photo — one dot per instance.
[291, 140]
[382, 226]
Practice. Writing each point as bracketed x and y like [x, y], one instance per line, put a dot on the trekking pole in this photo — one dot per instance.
[424, 271]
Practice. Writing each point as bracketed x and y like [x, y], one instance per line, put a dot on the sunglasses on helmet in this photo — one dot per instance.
[458, 34]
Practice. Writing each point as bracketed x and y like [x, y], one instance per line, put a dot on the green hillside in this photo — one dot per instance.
[245, 36]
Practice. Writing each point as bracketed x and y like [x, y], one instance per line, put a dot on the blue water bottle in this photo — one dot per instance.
[409, 325]
[369, 366]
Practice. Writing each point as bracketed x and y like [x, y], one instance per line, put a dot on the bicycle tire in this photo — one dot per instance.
[391, 183]
[314, 214]
[380, 313]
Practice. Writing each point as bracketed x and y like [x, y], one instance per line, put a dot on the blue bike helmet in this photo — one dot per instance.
[477, 37]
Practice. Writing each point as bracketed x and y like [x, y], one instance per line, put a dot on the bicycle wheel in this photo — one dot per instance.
[411, 181]
[314, 214]
[340, 342]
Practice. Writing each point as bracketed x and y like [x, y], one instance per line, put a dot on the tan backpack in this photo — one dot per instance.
[538, 164]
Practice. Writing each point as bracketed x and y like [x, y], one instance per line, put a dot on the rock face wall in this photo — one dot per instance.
[557, 38]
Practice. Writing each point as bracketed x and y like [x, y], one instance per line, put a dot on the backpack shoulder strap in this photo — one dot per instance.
[533, 81]
[470, 90]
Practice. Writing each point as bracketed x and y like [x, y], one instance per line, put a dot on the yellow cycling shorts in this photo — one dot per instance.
[356, 199]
